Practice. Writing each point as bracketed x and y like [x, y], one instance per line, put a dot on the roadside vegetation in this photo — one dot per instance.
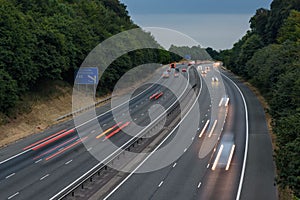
[48, 40]
[268, 56]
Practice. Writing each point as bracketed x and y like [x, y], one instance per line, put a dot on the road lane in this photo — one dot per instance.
[27, 180]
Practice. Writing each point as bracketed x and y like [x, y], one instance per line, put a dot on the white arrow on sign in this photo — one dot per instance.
[94, 78]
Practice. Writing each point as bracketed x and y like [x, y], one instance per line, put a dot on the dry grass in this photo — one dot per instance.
[39, 112]
[43, 113]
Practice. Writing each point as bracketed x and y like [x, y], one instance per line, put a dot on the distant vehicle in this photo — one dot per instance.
[203, 72]
[176, 75]
[183, 70]
[173, 65]
[156, 95]
[214, 79]
[166, 75]
[176, 70]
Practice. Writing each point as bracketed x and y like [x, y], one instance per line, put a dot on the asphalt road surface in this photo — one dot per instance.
[42, 170]
[190, 177]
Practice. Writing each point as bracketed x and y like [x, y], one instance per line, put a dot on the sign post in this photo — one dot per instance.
[87, 76]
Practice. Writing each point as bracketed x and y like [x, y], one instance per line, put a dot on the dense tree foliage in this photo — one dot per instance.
[49, 39]
[268, 56]
[213, 53]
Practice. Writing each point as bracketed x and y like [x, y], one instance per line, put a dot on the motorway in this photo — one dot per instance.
[44, 170]
[37, 172]
[190, 177]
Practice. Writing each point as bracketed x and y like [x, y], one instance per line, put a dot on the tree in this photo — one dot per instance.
[290, 29]
[258, 23]
[8, 92]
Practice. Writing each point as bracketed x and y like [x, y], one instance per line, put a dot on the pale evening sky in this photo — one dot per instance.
[212, 23]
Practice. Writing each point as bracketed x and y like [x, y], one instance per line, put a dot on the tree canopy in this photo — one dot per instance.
[49, 39]
[268, 56]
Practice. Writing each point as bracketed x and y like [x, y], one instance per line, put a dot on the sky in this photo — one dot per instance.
[212, 23]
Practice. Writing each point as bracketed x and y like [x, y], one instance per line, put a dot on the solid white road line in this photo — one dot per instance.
[218, 157]
[23, 152]
[157, 147]
[107, 158]
[246, 142]
[14, 156]
[38, 161]
[12, 196]
[230, 157]
[10, 175]
[213, 128]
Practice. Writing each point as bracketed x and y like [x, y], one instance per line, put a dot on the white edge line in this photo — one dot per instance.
[157, 147]
[23, 152]
[10, 158]
[246, 142]
[67, 187]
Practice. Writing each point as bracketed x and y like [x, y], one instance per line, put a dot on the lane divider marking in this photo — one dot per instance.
[213, 128]
[230, 157]
[204, 128]
[218, 157]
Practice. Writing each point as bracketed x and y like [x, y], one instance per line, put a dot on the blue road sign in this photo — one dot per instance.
[87, 75]
[188, 57]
